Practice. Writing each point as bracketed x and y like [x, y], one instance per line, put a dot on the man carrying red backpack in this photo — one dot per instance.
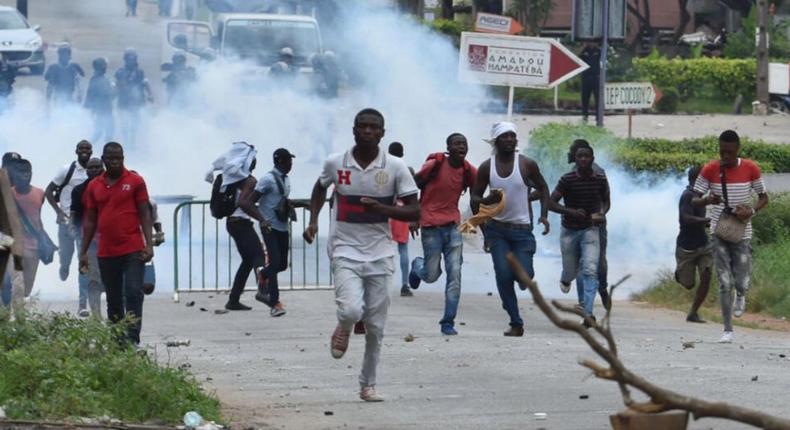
[442, 179]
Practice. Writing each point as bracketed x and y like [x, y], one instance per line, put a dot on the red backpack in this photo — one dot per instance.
[439, 158]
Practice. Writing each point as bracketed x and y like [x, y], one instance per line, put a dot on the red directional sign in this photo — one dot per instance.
[516, 61]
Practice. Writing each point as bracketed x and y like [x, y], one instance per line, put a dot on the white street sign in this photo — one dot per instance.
[779, 78]
[516, 61]
[630, 95]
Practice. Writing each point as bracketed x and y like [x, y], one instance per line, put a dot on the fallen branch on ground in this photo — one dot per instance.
[661, 399]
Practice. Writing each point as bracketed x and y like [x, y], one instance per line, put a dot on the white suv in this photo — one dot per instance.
[20, 44]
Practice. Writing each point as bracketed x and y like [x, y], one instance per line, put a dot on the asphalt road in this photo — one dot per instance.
[278, 373]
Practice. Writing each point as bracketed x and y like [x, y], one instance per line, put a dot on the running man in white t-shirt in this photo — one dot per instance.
[367, 182]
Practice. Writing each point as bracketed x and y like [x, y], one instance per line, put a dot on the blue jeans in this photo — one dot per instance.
[5, 295]
[581, 251]
[403, 251]
[435, 242]
[504, 238]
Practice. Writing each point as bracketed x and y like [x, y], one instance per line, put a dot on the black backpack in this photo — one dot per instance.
[223, 203]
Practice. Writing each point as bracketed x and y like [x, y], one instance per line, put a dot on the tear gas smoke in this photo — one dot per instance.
[408, 73]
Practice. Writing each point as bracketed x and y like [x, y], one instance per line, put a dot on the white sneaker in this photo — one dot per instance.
[727, 337]
[566, 288]
[740, 306]
[368, 394]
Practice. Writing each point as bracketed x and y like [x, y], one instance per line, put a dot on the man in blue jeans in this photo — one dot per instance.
[442, 179]
[586, 196]
[510, 174]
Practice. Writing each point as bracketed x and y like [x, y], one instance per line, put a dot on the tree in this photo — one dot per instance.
[532, 14]
[601, 340]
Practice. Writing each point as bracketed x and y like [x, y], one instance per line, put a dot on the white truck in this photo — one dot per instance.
[255, 37]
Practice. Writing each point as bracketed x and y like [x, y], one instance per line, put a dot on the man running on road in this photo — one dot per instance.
[367, 182]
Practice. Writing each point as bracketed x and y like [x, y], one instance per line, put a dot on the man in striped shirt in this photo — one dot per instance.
[585, 193]
[733, 261]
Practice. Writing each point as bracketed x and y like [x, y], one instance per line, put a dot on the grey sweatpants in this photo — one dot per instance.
[734, 269]
[362, 294]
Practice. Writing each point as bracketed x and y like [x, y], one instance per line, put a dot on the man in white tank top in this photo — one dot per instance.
[510, 231]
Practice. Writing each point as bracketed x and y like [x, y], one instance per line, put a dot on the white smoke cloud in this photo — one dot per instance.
[409, 74]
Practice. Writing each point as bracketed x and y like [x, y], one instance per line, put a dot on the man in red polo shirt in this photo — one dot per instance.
[117, 207]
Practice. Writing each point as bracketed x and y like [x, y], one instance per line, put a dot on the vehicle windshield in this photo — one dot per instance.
[12, 20]
[262, 40]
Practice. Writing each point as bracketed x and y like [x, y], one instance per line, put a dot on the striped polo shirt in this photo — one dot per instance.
[355, 233]
[582, 192]
[743, 181]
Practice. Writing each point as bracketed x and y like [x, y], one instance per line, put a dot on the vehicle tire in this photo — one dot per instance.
[37, 70]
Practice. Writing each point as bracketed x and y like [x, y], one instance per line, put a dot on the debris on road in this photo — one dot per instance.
[687, 345]
[328, 413]
[177, 343]
[584, 397]
[220, 311]
[190, 304]
[540, 416]
[409, 338]
[203, 310]
[754, 378]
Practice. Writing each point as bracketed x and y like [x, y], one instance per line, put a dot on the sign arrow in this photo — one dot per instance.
[516, 61]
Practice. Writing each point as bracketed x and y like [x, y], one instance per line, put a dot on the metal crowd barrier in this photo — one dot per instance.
[210, 260]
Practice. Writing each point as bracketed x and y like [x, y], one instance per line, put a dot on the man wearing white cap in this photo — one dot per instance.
[510, 230]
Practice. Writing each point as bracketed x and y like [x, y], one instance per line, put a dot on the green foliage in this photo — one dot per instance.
[676, 163]
[770, 292]
[773, 223]
[770, 157]
[549, 145]
[742, 43]
[448, 27]
[695, 77]
[55, 366]
[532, 14]
[669, 101]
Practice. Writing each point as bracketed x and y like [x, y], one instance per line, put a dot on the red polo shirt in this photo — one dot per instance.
[118, 222]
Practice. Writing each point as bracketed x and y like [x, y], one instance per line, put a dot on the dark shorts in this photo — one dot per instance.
[691, 262]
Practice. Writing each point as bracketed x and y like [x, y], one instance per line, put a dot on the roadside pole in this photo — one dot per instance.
[604, 52]
[761, 107]
[510, 94]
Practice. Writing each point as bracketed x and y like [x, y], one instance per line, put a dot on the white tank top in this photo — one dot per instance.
[516, 194]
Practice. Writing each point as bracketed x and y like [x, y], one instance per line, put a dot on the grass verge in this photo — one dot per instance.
[57, 367]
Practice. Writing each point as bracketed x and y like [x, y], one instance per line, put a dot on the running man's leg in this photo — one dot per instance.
[403, 253]
[376, 281]
[590, 252]
[453, 259]
[428, 267]
[723, 261]
[500, 246]
[349, 292]
[133, 268]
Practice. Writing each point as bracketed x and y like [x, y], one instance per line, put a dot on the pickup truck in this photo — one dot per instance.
[254, 37]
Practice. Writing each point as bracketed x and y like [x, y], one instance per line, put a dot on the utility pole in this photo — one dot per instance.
[761, 107]
[599, 99]
[21, 6]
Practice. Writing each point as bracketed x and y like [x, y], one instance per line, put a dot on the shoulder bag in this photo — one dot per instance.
[283, 211]
[729, 228]
[46, 247]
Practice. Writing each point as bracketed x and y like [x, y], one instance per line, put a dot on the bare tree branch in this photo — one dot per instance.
[661, 399]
